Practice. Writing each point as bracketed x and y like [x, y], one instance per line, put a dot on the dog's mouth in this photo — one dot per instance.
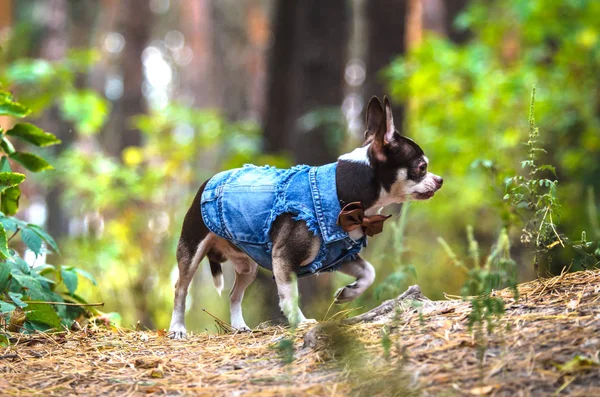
[424, 195]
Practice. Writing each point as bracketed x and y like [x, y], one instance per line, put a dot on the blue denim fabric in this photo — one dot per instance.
[241, 205]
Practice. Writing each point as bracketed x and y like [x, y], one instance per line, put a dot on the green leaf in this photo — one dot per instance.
[526, 163]
[33, 71]
[32, 134]
[8, 107]
[32, 162]
[6, 307]
[45, 282]
[16, 298]
[44, 269]
[69, 278]
[32, 287]
[10, 224]
[82, 59]
[4, 275]
[45, 236]
[4, 253]
[86, 109]
[547, 167]
[5, 165]
[43, 313]
[10, 179]
[9, 200]
[86, 274]
[19, 266]
[32, 240]
[7, 146]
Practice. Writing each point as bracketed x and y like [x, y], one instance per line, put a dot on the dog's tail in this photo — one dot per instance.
[217, 275]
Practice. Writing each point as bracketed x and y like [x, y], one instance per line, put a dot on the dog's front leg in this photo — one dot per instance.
[365, 275]
[294, 246]
[287, 288]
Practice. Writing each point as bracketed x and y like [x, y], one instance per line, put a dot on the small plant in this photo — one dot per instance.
[498, 270]
[534, 199]
[392, 285]
[38, 297]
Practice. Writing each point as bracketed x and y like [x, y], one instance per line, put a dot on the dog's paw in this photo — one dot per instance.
[240, 326]
[308, 321]
[177, 332]
[243, 328]
[347, 293]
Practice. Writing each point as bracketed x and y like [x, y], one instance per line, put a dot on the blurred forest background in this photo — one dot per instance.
[152, 97]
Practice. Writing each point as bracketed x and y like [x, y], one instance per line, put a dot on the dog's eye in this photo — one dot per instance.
[423, 167]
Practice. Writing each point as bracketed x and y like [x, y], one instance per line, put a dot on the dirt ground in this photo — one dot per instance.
[547, 344]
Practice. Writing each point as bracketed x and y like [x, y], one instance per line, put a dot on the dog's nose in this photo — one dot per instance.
[439, 180]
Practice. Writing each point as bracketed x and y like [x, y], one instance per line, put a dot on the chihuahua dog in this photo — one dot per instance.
[302, 220]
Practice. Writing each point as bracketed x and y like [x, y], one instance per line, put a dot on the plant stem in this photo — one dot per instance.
[14, 234]
[555, 232]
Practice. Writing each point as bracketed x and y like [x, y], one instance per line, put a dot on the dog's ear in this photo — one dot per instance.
[374, 116]
[390, 130]
[386, 135]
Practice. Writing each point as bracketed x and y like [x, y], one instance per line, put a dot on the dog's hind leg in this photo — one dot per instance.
[194, 243]
[245, 273]
[187, 268]
[365, 275]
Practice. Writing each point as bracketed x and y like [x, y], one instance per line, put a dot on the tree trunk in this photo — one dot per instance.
[136, 25]
[306, 74]
[434, 16]
[386, 22]
[306, 70]
[53, 47]
[197, 26]
[6, 15]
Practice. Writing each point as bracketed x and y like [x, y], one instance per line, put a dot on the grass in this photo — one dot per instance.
[550, 345]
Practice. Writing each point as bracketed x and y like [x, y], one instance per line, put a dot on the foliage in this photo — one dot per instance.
[25, 291]
[535, 199]
[143, 197]
[42, 84]
[395, 282]
[537, 195]
[462, 101]
[498, 270]
[328, 119]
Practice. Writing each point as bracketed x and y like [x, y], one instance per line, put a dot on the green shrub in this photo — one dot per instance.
[41, 297]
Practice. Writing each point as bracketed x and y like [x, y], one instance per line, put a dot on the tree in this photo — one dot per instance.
[81, 15]
[306, 73]
[136, 24]
[306, 69]
[386, 22]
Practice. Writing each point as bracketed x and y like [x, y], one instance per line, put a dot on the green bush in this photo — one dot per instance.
[41, 297]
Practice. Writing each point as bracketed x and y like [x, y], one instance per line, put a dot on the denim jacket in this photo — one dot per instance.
[240, 205]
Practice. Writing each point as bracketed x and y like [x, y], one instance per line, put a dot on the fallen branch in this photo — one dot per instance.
[381, 313]
[388, 307]
[68, 303]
